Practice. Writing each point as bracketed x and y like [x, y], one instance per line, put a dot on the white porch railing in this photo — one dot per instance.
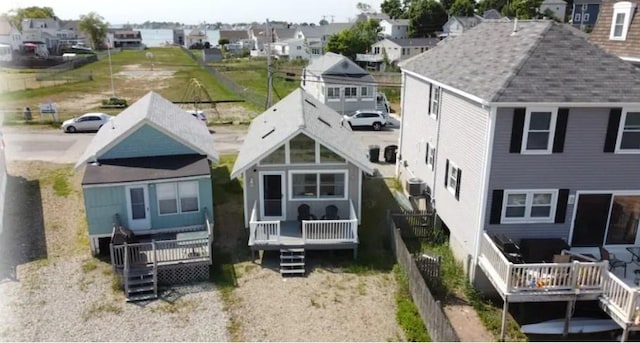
[160, 252]
[622, 298]
[262, 232]
[331, 231]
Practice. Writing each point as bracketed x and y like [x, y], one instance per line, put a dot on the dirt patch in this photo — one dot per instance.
[326, 305]
[467, 324]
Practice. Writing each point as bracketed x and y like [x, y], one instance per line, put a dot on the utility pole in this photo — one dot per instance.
[269, 71]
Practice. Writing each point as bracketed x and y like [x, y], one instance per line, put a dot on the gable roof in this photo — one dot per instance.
[625, 49]
[282, 34]
[542, 62]
[338, 66]
[404, 22]
[6, 27]
[159, 113]
[491, 14]
[297, 113]
[234, 34]
[317, 31]
[411, 42]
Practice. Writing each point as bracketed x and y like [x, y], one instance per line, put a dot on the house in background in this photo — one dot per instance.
[196, 36]
[292, 49]
[394, 28]
[455, 26]
[557, 7]
[41, 30]
[317, 36]
[396, 50]
[340, 83]
[10, 35]
[584, 14]
[125, 39]
[148, 197]
[617, 30]
[526, 141]
[238, 40]
[302, 170]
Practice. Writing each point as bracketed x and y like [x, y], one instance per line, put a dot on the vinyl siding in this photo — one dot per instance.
[102, 203]
[145, 142]
[582, 166]
[418, 128]
[463, 130]
[349, 106]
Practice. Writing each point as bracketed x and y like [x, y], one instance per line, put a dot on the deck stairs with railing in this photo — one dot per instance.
[292, 261]
[141, 283]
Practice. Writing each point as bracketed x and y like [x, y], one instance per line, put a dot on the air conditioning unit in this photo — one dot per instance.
[415, 186]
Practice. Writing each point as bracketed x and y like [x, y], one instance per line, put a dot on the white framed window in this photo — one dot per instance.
[365, 92]
[435, 101]
[430, 155]
[529, 206]
[350, 93]
[312, 185]
[452, 181]
[333, 93]
[178, 197]
[622, 12]
[539, 130]
[628, 140]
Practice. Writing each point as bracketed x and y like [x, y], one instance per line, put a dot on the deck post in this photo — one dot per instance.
[567, 319]
[625, 333]
[503, 326]
[355, 253]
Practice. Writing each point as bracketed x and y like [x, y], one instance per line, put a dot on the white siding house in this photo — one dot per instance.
[395, 28]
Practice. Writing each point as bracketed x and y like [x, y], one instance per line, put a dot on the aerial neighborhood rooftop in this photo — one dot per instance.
[212, 181]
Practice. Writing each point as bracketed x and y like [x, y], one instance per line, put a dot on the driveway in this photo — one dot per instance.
[59, 147]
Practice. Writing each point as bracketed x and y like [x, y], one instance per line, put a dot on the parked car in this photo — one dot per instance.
[375, 119]
[85, 122]
[199, 115]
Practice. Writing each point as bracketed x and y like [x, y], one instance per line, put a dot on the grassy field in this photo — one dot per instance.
[172, 60]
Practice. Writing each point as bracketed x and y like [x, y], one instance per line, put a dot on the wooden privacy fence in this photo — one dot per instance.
[429, 266]
[416, 224]
[430, 309]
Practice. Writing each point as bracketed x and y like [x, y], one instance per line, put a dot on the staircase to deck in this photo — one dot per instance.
[292, 261]
[141, 283]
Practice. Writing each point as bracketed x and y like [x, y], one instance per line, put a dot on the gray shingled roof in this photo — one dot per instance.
[415, 41]
[324, 65]
[318, 31]
[298, 113]
[542, 62]
[161, 114]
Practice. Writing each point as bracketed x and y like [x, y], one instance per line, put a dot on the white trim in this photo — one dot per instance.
[484, 185]
[244, 198]
[552, 130]
[527, 219]
[318, 172]
[623, 118]
[452, 89]
[283, 192]
[138, 224]
[613, 193]
[147, 182]
[449, 174]
[399, 161]
[176, 189]
[630, 59]
[622, 7]
[433, 99]
[564, 104]
[359, 197]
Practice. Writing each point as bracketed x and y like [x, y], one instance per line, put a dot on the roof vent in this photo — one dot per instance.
[268, 133]
[515, 27]
[324, 121]
[309, 102]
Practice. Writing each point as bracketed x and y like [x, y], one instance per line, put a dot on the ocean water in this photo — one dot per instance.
[160, 37]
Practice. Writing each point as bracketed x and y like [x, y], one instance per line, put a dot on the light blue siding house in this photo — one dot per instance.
[147, 192]
[528, 150]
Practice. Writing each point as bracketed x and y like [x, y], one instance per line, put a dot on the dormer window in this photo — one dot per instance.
[622, 12]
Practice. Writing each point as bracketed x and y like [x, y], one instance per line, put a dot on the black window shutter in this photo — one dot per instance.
[434, 159]
[446, 174]
[429, 106]
[426, 155]
[561, 208]
[516, 130]
[612, 130]
[496, 206]
[561, 129]
[458, 184]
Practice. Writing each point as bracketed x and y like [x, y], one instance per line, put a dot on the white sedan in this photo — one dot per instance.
[86, 122]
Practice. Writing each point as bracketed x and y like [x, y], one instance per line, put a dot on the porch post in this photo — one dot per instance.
[505, 310]
[567, 319]
[625, 333]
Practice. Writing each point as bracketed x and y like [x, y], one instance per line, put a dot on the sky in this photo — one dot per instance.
[199, 11]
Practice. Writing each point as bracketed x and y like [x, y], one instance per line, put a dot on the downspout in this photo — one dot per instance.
[400, 139]
[435, 157]
[483, 203]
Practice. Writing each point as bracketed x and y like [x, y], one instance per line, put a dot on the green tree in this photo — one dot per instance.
[393, 8]
[485, 5]
[522, 9]
[95, 27]
[462, 8]
[356, 40]
[363, 7]
[15, 16]
[426, 17]
[223, 41]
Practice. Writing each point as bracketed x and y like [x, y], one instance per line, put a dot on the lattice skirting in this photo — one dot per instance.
[183, 274]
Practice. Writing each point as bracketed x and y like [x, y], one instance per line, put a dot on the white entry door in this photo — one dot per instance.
[138, 207]
[272, 194]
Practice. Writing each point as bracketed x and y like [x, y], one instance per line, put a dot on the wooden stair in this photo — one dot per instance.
[141, 283]
[292, 261]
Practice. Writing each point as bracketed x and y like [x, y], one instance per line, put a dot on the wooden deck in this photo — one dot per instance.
[574, 281]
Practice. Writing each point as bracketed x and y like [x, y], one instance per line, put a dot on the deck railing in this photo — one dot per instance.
[262, 231]
[331, 231]
[623, 299]
[159, 252]
[572, 276]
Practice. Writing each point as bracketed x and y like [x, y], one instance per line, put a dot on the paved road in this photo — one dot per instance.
[58, 147]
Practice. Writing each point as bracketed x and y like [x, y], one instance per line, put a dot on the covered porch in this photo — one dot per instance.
[583, 277]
